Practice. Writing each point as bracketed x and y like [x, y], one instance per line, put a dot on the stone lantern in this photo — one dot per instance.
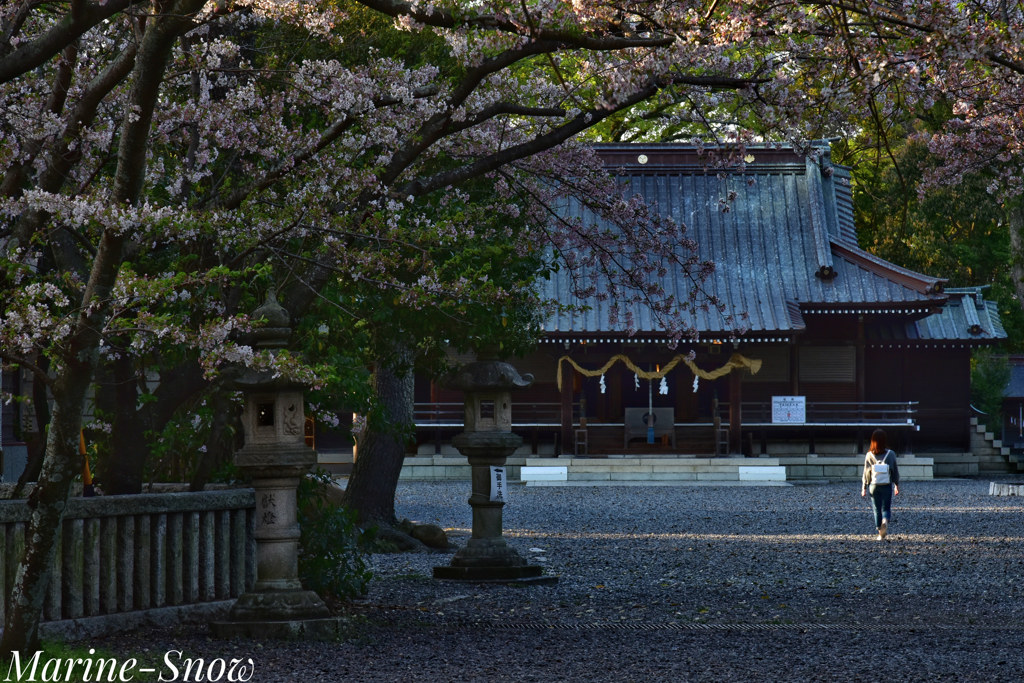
[487, 442]
[275, 457]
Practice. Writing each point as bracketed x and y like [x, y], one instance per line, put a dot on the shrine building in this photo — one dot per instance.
[865, 343]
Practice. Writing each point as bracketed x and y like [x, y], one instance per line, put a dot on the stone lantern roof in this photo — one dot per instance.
[487, 376]
[274, 336]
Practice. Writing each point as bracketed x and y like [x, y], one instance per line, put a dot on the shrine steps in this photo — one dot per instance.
[983, 464]
[652, 471]
[668, 482]
[955, 464]
[450, 468]
[632, 470]
[607, 440]
[851, 468]
[992, 456]
[623, 470]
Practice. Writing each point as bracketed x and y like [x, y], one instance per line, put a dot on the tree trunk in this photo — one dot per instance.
[81, 351]
[122, 470]
[216, 444]
[371, 487]
[49, 498]
[128, 450]
[41, 405]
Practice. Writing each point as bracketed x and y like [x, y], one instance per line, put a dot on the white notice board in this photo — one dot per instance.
[499, 489]
[789, 409]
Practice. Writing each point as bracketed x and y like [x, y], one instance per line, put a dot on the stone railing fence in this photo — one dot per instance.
[124, 554]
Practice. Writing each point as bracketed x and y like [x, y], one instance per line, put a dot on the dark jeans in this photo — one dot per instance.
[881, 502]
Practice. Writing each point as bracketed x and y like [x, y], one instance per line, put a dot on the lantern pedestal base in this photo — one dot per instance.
[487, 553]
[278, 605]
[278, 614]
[531, 574]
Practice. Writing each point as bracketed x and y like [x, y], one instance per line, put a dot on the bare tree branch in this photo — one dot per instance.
[344, 123]
[878, 12]
[61, 158]
[503, 108]
[36, 371]
[437, 126]
[15, 178]
[13, 26]
[555, 137]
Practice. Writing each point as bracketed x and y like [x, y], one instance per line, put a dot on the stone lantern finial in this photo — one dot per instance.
[277, 331]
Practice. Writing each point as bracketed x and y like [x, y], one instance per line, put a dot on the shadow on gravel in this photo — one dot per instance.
[689, 584]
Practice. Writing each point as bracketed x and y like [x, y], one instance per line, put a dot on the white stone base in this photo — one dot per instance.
[995, 489]
[762, 473]
[669, 482]
[529, 474]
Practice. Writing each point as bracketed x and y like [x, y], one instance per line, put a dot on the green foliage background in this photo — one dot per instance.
[332, 549]
[990, 373]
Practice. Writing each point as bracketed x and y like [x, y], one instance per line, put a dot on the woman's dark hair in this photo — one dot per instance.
[878, 444]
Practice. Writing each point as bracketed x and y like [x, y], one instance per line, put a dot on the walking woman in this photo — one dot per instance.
[882, 480]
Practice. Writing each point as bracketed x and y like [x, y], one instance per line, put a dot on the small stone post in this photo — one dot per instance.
[486, 442]
[275, 457]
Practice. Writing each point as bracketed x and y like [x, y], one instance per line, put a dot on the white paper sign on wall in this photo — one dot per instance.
[789, 409]
[499, 488]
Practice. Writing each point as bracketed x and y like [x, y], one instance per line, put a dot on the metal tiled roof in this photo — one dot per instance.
[784, 230]
[1015, 387]
[844, 204]
[965, 317]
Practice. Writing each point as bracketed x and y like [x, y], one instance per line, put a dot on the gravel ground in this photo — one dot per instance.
[689, 583]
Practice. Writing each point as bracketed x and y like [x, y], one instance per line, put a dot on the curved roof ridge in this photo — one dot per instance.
[925, 284]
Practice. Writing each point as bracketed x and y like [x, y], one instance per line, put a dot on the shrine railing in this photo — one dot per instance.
[120, 554]
[824, 414]
[523, 414]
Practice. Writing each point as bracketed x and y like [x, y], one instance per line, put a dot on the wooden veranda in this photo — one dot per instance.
[541, 423]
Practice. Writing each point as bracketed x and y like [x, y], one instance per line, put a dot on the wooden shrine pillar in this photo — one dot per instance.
[614, 384]
[435, 399]
[735, 399]
[860, 382]
[860, 359]
[566, 410]
[794, 370]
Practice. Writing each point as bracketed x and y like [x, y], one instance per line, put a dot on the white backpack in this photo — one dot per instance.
[880, 472]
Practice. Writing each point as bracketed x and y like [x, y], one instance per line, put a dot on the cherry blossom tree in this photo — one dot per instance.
[141, 129]
[165, 160]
